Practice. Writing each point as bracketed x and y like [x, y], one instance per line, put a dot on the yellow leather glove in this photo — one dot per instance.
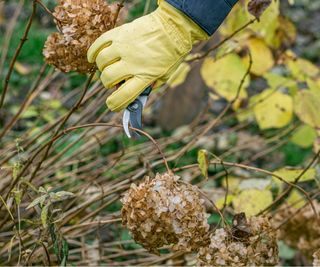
[143, 52]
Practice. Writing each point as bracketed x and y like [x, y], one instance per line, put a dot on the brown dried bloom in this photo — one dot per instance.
[163, 211]
[301, 229]
[259, 248]
[80, 23]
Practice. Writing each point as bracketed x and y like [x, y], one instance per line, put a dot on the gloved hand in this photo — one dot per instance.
[143, 52]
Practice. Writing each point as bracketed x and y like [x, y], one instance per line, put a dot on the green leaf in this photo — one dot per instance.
[304, 136]
[272, 109]
[290, 174]
[203, 162]
[44, 215]
[276, 81]
[42, 190]
[18, 196]
[307, 106]
[60, 196]
[252, 201]
[37, 201]
[65, 253]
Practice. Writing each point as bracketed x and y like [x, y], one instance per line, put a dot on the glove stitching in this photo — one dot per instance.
[174, 33]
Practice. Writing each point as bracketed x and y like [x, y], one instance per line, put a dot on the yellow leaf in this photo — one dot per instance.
[273, 109]
[220, 202]
[290, 174]
[245, 115]
[238, 16]
[304, 136]
[266, 28]
[203, 162]
[180, 75]
[224, 76]
[275, 81]
[262, 58]
[313, 86]
[233, 183]
[295, 199]
[22, 68]
[307, 107]
[286, 33]
[302, 69]
[268, 24]
[252, 201]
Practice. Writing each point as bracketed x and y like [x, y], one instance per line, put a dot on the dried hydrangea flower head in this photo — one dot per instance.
[163, 211]
[80, 23]
[316, 258]
[301, 229]
[256, 246]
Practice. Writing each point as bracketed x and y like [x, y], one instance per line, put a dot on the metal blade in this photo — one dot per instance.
[143, 99]
[133, 113]
[125, 122]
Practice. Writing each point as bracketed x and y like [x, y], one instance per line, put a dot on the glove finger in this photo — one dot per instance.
[126, 93]
[102, 42]
[114, 74]
[106, 57]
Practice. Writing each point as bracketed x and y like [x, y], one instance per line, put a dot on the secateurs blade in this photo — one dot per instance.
[133, 113]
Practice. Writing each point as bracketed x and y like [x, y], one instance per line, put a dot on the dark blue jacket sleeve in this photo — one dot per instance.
[208, 14]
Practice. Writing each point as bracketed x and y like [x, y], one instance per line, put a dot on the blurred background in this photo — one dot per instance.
[73, 172]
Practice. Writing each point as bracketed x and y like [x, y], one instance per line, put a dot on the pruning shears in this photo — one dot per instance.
[133, 113]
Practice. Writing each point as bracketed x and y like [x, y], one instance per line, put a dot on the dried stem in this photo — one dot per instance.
[17, 52]
[7, 38]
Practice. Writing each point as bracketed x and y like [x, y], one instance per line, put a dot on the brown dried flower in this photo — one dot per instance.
[80, 23]
[163, 211]
[258, 249]
[257, 7]
[301, 229]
